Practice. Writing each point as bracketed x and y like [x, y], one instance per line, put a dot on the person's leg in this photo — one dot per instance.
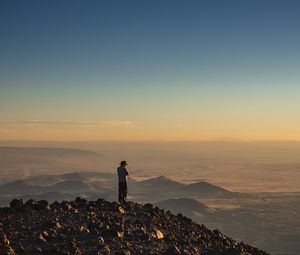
[125, 191]
[120, 193]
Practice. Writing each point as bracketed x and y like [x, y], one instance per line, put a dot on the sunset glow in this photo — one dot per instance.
[144, 70]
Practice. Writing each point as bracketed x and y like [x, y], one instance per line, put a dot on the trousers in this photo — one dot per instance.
[122, 192]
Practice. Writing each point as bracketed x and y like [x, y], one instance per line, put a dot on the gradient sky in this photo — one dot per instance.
[150, 70]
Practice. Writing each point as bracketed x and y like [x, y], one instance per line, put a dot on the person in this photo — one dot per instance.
[123, 179]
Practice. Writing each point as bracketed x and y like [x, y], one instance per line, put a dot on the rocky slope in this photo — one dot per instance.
[101, 227]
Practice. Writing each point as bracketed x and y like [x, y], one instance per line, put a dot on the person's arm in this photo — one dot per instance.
[126, 172]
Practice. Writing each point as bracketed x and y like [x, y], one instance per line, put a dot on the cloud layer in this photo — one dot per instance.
[107, 124]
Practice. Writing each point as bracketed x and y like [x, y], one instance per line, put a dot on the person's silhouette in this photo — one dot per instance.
[122, 178]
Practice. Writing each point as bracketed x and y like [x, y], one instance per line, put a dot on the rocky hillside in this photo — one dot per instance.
[101, 227]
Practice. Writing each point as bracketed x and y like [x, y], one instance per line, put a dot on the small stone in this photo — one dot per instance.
[40, 238]
[84, 229]
[20, 249]
[106, 249]
[4, 240]
[173, 249]
[121, 210]
[57, 225]
[125, 251]
[61, 237]
[38, 250]
[120, 234]
[101, 240]
[157, 233]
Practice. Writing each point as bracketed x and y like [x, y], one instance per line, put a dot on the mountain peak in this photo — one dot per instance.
[161, 179]
[205, 187]
[101, 227]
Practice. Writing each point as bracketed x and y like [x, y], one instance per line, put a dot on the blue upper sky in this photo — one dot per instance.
[143, 55]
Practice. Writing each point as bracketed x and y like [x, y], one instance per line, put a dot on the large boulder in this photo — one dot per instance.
[16, 204]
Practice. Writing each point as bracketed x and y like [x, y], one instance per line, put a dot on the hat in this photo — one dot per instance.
[123, 162]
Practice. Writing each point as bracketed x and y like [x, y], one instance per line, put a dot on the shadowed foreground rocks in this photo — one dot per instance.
[101, 227]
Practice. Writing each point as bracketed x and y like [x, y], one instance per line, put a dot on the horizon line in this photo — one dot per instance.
[132, 140]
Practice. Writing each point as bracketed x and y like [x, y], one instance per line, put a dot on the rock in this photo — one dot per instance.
[125, 251]
[16, 204]
[61, 237]
[52, 233]
[38, 250]
[80, 201]
[66, 206]
[157, 233]
[173, 249]
[20, 249]
[148, 206]
[7, 250]
[30, 203]
[84, 229]
[101, 240]
[106, 249]
[55, 204]
[53, 224]
[41, 239]
[52, 250]
[3, 239]
[120, 234]
[121, 210]
[42, 205]
[99, 227]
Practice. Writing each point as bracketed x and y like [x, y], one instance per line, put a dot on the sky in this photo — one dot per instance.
[150, 70]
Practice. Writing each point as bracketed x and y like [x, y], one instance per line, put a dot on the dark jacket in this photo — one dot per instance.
[122, 174]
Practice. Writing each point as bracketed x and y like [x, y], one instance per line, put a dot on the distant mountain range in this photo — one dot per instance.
[165, 185]
[161, 183]
[20, 187]
[93, 182]
[186, 206]
[205, 187]
[23, 187]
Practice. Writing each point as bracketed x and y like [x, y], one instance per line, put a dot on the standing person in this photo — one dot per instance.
[123, 178]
